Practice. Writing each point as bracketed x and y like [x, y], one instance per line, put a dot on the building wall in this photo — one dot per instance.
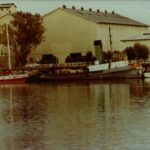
[67, 33]
[3, 21]
[118, 32]
[5, 17]
[131, 43]
[4, 11]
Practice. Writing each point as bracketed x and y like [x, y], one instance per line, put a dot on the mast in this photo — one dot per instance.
[8, 47]
[110, 41]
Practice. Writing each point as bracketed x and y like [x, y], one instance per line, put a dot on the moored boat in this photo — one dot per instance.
[13, 78]
[120, 69]
[9, 76]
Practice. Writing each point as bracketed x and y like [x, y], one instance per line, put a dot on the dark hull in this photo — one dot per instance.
[123, 74]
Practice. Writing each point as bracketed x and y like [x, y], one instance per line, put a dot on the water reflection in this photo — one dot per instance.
[24, 116]
[84, 116]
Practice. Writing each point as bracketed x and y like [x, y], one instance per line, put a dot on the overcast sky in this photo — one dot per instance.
[135, 9]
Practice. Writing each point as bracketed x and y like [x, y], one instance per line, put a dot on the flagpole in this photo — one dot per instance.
[8, 47]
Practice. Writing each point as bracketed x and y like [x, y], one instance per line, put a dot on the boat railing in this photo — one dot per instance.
[78, 64]
[146, 62]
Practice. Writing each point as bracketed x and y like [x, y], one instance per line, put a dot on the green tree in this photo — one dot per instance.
[137, 52]
[25, 34]
[131, 53]
[142, 51]
[89, 57]
[69, 59]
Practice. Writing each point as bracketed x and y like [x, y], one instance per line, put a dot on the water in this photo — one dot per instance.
[76, 116]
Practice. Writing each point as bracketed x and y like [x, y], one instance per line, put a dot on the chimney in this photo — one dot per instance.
[82, 8]
[106, 11]
[73, 7]
[90, 9]
[98, 10]
[64, 6]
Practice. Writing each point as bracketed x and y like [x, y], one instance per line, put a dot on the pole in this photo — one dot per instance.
[8, 47]
[110, 40]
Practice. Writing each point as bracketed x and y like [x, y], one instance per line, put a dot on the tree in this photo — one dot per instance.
[142, 51]
[46, 59]
[25, 34]
[138, 51]
[131, 53]
[89, 57]
[107, 55]
[69, 59]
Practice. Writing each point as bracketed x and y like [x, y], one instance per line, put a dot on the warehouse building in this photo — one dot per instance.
[71, 31]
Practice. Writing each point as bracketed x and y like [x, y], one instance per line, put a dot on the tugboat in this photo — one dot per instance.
[74, 72]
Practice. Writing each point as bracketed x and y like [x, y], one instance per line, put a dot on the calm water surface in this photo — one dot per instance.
[76, 116]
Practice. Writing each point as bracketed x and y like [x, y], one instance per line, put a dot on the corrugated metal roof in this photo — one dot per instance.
[105, 17]
[144, 36]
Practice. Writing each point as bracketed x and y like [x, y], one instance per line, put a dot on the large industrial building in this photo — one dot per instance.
[73, 31]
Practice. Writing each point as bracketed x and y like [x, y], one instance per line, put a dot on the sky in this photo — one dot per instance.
[135, 9]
